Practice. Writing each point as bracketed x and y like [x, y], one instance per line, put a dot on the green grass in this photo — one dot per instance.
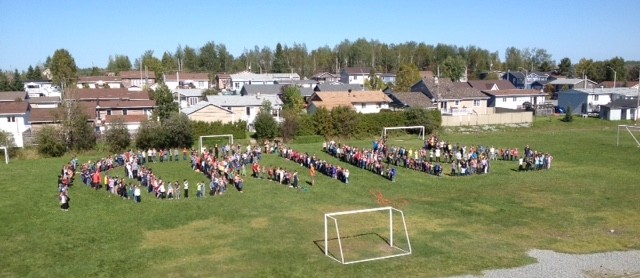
[457, 225]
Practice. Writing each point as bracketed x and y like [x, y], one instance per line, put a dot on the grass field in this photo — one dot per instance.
[457, 225]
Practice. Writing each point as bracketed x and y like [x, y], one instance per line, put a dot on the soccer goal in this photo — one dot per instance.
[418, 127]
[6, 155]
[631, 129]
[222, 138]
[365, 235]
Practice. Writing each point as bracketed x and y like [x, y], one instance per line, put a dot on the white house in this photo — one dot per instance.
[365, 102]
[187, 80]
[14, 119]
[620, 109]
[231, 108]
[354, 75]
[513, 98]
[187, 97]
[238, 80]
[94, 82]
[584, 101]
[41, 89]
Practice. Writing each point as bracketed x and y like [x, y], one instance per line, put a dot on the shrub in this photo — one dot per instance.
[568, 117]
[117, 137]
[50, 142]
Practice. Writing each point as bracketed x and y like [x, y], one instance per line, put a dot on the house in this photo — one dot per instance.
[238, 80]
[92, 82]
[187, 80]
[452, 98]
[131, 122]
[41, 89]
[107, 94]
[365, 102]
[539, 85]
[326, 77]
[131, 113]
[41, 117]
[623, 84]
[14, 119]
[187, 97]
[223, 81]
[387, 78]
[354, 75]
[514, 98]
[306, 83]
[403, 100]
[208, 112]
[484, 85]
[585, 101]
[620, 109]
[518, 78]
[137, 78]
[273, 89]
[12, 96]
[571, 83]
[244, 108]
[325, 87]
[44, 102]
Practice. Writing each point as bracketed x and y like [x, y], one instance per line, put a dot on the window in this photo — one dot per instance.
[595, 97]
[378, 105]
[200, 84]
[248, 111]
[364, 105]
[515, 99]
[476, 102]
[109, 112]
[11, 119]
[124, 111]
[504, 99]
[457, 102]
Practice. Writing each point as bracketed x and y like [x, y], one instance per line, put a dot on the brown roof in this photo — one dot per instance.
[85, 79]
[126, 104]
[411, 99]
[358, 70]
[134, 74]
[334, 99]
[106, 93]
[448, 90]
[514, 92]
[126, 118]
[13, 108]
[223, 76]
[43, 115]
[196, 76]
[12, 95]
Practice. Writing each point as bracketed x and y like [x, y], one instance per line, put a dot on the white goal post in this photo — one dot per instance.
[628, 128]
[230, 136]
[384, 129]
[332, 219]
[6, 155]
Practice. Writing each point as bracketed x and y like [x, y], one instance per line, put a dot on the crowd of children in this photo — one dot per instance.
[315, 165]
[369, 159]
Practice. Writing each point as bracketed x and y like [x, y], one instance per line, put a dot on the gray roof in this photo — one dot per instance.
[627, 92]
[623, 103]
[200, 105]
[268, 89]
[324, 87]
[12, 95]
[44, 100]
[189, 92]
[569, 81]
[449, 90]
[229, 101]
[411, 99]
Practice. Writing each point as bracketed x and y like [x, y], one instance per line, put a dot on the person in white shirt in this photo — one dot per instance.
[136, 194]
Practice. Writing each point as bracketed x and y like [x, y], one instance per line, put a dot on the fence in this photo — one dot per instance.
[491, 118]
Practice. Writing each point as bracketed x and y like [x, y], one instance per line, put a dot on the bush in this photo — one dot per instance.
[50, 142]
[117, 137]
[568, 117]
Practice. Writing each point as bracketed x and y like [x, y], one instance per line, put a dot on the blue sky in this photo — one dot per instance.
[92, 30]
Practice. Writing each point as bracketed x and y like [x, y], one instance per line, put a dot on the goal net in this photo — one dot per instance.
[209, 141]
[634, 132]
[365, 235]
[418, 128]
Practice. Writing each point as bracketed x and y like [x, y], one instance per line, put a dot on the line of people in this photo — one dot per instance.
[369, 159]
[314, 164]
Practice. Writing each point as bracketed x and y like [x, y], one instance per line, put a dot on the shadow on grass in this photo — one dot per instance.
[321, 247]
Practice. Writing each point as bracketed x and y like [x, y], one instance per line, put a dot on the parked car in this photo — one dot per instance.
[559, 110]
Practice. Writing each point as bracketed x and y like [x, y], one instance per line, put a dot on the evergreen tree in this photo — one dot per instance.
[280, 60]
[265, 125]
[17, 84]
[63, 69]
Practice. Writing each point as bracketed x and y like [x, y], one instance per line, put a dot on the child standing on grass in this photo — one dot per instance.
[64, 201]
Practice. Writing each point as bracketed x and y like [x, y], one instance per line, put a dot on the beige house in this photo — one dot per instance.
[209, 112]
[365, 102]
[453, 98]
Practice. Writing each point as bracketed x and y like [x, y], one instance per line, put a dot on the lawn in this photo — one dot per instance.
[457, 225]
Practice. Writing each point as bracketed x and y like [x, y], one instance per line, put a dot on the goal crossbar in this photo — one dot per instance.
[384, 129]
[333, 215]
[230, 136]
[628, 128]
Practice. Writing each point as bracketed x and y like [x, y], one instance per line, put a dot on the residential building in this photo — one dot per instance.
[208, 112]
[187, 80]
[484, 85]
[620, 109]
[585, 101]
[452, 98]
[306, 83]
[514, 98]
[14, 119]
[238, 80]
[137, 78]
[387, 77]
[107, 94]
[365, 102]
[131, 113]
[12, 96]
[354, 75]
[517, 78]
[93, 82]
[44, 102]
[273, 89]
[403, 100]
[187, 97]
[325, 87]
[619, 84]
[41, 89]
[226, 108]
[223, 82]
[326, 77]
[572, 83]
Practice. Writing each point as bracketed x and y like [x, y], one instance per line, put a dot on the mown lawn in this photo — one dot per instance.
[457, 225]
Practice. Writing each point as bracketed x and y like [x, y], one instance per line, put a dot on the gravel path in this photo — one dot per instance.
[552, 264]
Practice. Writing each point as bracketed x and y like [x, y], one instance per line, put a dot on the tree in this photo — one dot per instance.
[513, 58]
[80, 134]
[190, 59]
[165, 105]
[564, 68]
[265, 125]
[345, 121]
[169, 64]
[17, 84]
[63, 69]
[374, 82]
[453, 67]
[279, 61]
[406, 77]
[292, 99]
[179, 130]
[117, 136]
[322, 122]
[431, 119]
[119, 63]
[7, 140]
[210, 92]
[568, 117]
[147, 135]
[50, 141]
[290, 125]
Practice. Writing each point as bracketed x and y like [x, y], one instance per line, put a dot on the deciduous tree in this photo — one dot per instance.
[265, 125]
[406, 77]
[117, 136]
[63, 69]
